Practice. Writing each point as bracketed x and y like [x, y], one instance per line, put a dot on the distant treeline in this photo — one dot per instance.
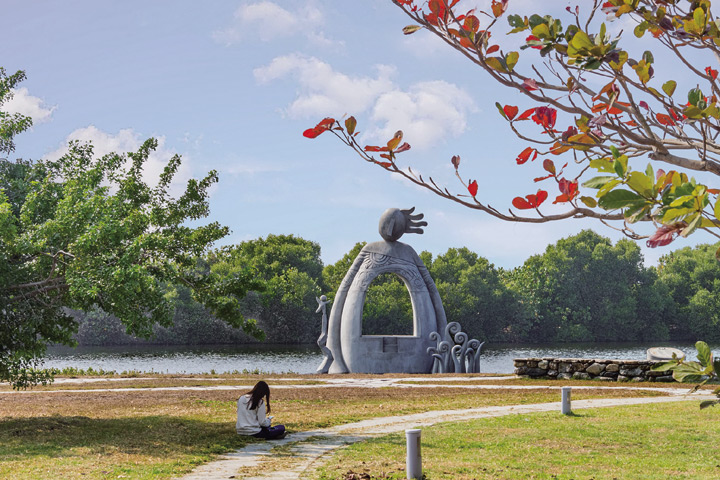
[583, 288]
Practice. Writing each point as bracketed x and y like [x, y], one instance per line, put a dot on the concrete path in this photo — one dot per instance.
[310, 449]
[410, 382]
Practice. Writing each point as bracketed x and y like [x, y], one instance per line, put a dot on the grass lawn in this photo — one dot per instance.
[660, 441]
[53, 433]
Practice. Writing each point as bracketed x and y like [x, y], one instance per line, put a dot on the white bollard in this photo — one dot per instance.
[565, 408]
[414, 460]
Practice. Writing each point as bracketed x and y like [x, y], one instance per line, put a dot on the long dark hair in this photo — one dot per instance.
[259, 391]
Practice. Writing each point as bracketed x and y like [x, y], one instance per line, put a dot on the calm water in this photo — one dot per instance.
[303, 359]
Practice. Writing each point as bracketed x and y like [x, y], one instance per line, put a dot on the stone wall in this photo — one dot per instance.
[586, 369]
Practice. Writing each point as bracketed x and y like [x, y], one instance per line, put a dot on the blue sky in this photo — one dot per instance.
[232, 85]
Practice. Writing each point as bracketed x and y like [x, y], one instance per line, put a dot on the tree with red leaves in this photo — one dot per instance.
[625, 139]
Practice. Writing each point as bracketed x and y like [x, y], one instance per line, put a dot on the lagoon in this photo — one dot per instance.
[304, 359]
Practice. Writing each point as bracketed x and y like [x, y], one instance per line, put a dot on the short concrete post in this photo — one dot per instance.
[565, 408]
[414, 460]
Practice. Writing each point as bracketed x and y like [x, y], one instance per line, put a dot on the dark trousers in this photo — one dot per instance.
[269, 433]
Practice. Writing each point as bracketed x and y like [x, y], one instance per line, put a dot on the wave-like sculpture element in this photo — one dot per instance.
[454, 352]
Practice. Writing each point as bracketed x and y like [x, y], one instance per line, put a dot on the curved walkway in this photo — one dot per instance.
[309, 449]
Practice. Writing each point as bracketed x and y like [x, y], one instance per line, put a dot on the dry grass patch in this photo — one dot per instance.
[161, 434]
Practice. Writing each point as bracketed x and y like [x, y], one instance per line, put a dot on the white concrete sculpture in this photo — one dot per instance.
[322, 341]
[353, 352]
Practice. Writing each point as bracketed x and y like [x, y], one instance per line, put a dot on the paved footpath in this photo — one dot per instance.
[311, 449]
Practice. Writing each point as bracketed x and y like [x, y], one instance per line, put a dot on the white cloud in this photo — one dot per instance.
[268, 21]
[323, 91]
[128, 140]
[427, 112]
[25, 104]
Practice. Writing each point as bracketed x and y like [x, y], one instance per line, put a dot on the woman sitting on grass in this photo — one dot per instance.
[252, 410]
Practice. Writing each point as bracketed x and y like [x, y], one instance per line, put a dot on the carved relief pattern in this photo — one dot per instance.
[375, 264]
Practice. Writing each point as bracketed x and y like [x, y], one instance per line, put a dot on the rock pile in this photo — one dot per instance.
[586, 369]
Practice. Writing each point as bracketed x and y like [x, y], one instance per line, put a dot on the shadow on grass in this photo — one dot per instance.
[157, 436]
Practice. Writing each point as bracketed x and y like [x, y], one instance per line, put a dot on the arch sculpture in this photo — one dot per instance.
[353, 352]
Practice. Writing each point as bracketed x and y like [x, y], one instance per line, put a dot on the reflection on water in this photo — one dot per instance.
[304, 359]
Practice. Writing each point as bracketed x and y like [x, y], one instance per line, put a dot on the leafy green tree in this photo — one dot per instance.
[334, 274]
[692, 278]
[85, 233]
[291, 270]
[388, 308]
[586, 289]
[473, 293]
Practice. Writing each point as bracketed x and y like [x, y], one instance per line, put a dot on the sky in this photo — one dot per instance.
[232, 85]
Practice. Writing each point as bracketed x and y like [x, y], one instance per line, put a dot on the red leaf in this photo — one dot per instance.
[526, 114]
[385, 164]
[372, 148]
[510, 111]
[711, 72]
[492, 49]
[471, 23]
[403, 148]
[525, 155]
[545, 116]
[533, 38]
[473, 188]
[549, 166]
[529, 84]
[540, 179]
[323, 125]
[530, 201]
[665, 119]
[521, 204]
[665, 235]
[312, 132]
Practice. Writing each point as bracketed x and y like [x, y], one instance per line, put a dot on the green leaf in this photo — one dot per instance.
[704, 354]
[640, 29]
[699, 17]
[411, 29]
[619, 198]
[669, 87]
[694, 96]
[598, 182]
[674, 214]
[589, 202]
[501, 110]
[511, 60]
[692, 226]
[581, 41]
[620, 165]
[648, 57]
[495, 64]
[609, 186]
[641, 183]
[664, 367]
[602, 165]
[615, 151]
[350, 124]
[635, 211]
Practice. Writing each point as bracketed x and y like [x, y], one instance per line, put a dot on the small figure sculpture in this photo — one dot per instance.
[322, 341]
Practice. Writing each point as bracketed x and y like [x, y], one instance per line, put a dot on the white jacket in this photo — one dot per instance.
[250, 421]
